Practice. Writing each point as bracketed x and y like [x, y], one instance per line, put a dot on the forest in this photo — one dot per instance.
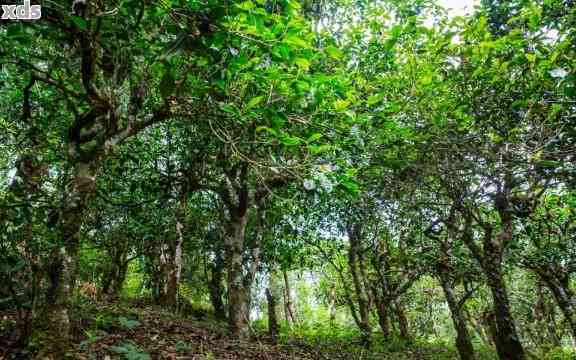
[288, 179]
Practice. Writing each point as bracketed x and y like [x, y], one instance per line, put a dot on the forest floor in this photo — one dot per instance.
[136, 330]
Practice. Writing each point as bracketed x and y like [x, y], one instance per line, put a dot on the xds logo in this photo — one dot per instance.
[21, 12]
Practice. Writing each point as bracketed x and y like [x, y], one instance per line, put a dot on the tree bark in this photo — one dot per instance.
[215, 287]
[254, 263]
[402, 321]
[564, 298]
[332, 304]
[113, 280]
[507, 341]
[237, 304]
[271, 291]
[503, 329]
[288, 310]
[354, 235]
[463, 342]
[175, 263]
[508, 344]
[115, 273]
[63, 262]
[383, 321]
[118, 283]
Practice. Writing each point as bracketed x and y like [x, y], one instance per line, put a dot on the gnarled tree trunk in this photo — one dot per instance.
[215, 286]
[288, 310]
[382, 307]
[463, 342]
[175, 262]
[502, 325]
[565, 299]
[62, 266]
[507, 341]
[354, 263]
[238, 315]
[271, 297]
[332, 304]
[402, 321]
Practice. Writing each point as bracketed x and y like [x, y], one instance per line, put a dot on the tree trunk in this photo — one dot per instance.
[361, 298]
[175, 265]
[215, 287]
[288, 310]
[159, 275]
[503, 328]
[107, 279]
[382, 311]
[332, 304]
[508, 343]
[118, 283]
[543, 318]
[63, 262]
[490, 325]
[565, 300]
[56, 314]
[271, 291]
[506, 338]
[254, 262]
[463, 342]
[115, 274]
[402, 321]
[237, 311]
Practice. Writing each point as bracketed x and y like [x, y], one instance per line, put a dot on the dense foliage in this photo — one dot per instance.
[377, 171]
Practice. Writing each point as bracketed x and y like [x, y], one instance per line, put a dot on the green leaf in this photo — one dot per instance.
[302, 63]
[548, 164]
[128, 323]
[426, 79]
[314, 137]
[278, 121]
[334, 52]
[319, 149]
[340, 105]
[290, 140]
[228, 108]
[267, 129]
[374, 99]
[302, 85]
[130, 352]
[282, 51]
[350, 185]
[295, 41]
[195, 5]
[295, 4]
[246, 5]
[253, 102]
[79, 22]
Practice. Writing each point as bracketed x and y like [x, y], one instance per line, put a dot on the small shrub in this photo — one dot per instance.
[182, 346]
[555, 353]
[128, 323]
[130, 352]
[91, 337]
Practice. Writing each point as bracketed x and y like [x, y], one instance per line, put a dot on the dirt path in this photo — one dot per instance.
[140, 332]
